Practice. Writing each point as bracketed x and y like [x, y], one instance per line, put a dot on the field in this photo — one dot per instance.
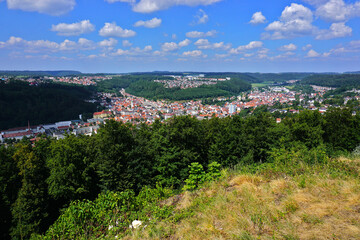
[260, 85]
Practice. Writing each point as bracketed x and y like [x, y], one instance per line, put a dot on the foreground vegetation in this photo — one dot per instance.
[94, 187]
[279, 200]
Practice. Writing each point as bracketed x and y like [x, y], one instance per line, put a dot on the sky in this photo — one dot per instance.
[119, 36]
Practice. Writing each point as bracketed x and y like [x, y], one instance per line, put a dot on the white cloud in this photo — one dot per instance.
[109, 43]
[352, 48]
[336, 30]
[51, 7]
[153, 23]
[289, 47]
[306, 47]
[313, 54]
[169, 47]
[355, 44]
[201, 17]
[295, 21]
[252, 45]
[173, 36]
[126, 43]
[205, 44]
[184, 43]
[148, 6]
[172, 46]
[47, 46]
[195, 53]
[258, 18]
[133, 51]
[283, 56]
[338, 11]
[73, 29]
[112, 30]
[196, 34]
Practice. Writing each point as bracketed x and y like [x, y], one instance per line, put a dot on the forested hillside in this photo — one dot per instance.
[132, 167]
[46, 103]
[336, 81]
[278, 77]
[144, 86]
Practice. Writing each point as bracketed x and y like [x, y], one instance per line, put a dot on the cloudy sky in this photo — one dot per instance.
[180, 35]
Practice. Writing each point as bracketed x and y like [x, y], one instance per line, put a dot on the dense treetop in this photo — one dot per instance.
[37, 182]
[337, 80]
[46, 103]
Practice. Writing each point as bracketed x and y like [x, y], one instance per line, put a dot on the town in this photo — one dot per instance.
[136, 110]
[184, 82]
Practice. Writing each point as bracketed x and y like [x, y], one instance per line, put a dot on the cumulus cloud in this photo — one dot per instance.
[153, 23]
[338, 11]
[355, 44]
[195, 53]
[184, 43]
[133, 51]
[169, 46]
[47, 46]
[336, 30]
[351, 48]
[126, 43]
[258, 18]
[148, 6]
[51, 7]
[196, 34]
[252, 45]
[73, 29]
[173, 46]
[108, 43]
[306, 47]
[201, 17]
[313, 54]
[287, 48]
[112, 30]
[295, 21]
[205, 44]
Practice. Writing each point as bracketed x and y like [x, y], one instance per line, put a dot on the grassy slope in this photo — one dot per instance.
[297, 201]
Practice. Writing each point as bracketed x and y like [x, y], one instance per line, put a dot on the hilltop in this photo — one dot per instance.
[300, 203]
[280, 200]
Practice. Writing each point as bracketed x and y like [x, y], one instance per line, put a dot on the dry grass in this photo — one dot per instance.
[254, 207]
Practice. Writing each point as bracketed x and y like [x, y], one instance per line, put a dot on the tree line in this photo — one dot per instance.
[333, 80]
[38, 183]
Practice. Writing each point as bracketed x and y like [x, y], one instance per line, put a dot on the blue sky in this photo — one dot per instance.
[180, 35]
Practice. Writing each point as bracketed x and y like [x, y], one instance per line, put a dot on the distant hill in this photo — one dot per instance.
[247, 76]
[40, 73]
[334, 80]
[279, 77]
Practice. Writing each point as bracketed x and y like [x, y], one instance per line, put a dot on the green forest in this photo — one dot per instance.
[278, 77]
[76, 187]
[336, 81]
[144, 86]
[46, 103]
